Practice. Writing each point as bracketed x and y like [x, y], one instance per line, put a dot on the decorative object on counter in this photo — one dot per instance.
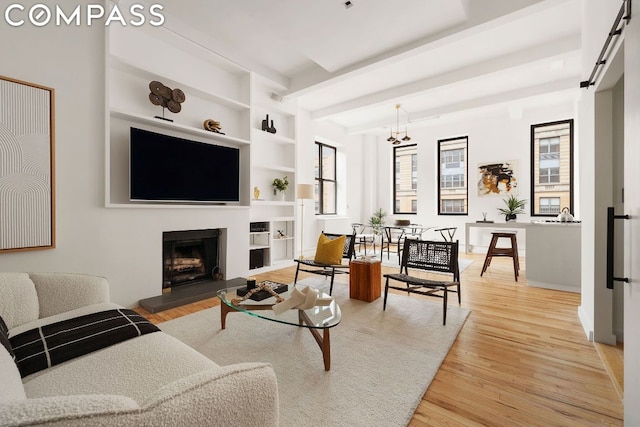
[266, 127]
[484, 218]
[565, 215]
[280, 185]
[514, 206]
[498, 178]
[166, 97]
[212, 126]
[256, 193]
[377, 220]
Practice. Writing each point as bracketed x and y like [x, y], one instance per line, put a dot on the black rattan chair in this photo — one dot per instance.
[429, 256]
[328, 270]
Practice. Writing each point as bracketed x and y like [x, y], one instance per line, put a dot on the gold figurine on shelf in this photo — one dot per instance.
[256, 193]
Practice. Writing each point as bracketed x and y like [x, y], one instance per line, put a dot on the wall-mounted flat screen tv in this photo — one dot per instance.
[165, 168]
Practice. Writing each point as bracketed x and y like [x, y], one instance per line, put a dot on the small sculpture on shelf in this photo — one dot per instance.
[212, 126]
[166, 97]
[256, 193]
[266, 127]
[281, 234]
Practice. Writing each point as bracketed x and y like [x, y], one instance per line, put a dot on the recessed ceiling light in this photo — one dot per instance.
[348, 4]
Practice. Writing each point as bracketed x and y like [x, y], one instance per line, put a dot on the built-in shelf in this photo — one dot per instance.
[271, 203]
[273, 137]
[177, 127]
[121, 64]
[134, 205]
[274, 167]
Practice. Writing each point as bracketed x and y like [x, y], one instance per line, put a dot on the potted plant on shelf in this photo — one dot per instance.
[280, 185]
[514, 206]
[377, 220]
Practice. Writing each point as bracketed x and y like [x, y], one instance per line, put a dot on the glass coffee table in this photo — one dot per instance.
[318, 320]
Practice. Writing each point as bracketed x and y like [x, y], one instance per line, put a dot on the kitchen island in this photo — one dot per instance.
[552, 251]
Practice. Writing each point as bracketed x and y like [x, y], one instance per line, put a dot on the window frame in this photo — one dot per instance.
[320, 180]
[570, 123]
[440, 177]
[414, 183]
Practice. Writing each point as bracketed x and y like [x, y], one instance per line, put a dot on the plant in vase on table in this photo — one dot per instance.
[514, 206]
[280, 186]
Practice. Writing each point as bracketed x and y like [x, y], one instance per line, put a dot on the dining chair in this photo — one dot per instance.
[361, 238]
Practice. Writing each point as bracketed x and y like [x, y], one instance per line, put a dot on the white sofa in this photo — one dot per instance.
[150, 380]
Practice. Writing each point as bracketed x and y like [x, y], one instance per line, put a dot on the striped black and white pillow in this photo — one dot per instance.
[4, 338]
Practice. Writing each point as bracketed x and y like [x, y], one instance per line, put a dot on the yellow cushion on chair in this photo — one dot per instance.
[329, 251]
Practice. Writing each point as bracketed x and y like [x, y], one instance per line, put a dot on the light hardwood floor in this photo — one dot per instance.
[521, 358]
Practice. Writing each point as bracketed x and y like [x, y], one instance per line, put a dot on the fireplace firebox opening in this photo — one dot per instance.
[190, 256]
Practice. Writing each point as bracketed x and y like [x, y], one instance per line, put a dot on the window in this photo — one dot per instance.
[549, 205]
[453, 205]
[405, 177]
[414, 171]
[452, 175]
[551, 167]
[326, 185]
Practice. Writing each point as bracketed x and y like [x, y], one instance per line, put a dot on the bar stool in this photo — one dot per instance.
[507, 252]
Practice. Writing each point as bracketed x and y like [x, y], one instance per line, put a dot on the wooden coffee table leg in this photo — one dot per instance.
[224, 310]
[326, 349]
[324, 340]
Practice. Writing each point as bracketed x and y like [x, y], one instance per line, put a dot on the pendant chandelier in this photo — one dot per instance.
[394, 137]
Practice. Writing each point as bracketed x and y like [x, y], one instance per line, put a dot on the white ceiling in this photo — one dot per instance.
[435, 57]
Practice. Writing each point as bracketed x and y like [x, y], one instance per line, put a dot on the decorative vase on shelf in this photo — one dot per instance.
[256, 193]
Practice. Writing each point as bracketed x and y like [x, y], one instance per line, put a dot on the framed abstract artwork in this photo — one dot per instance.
[27, 173]
[498, 178]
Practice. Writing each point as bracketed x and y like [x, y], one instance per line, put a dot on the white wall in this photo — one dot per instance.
[493, 136]
[596, 133]
[351, 172]
[618, 204]
[124, 245]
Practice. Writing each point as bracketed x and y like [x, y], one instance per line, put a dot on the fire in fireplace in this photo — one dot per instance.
[189, 256]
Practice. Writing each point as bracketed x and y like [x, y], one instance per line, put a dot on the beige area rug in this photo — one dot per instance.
[381, 361]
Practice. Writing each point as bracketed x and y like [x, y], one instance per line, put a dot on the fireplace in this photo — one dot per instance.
[189, 256]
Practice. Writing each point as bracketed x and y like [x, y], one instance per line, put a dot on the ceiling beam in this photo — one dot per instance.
[479, 20]
[473, 71]
[497, 98]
